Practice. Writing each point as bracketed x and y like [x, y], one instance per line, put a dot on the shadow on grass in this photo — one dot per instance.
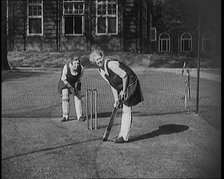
[49, 149]
[160, 113]
[140, 113]
[163, 130]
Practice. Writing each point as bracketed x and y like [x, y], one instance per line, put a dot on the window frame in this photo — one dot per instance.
[35, 17]
[106, 16]
[211, 39]
[182, 40]
[73, 16]
[154, 32]
[167, 41]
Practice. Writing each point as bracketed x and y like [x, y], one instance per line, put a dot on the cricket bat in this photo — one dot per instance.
[111, 122]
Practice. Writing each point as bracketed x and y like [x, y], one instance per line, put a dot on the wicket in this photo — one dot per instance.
[91, 101]
[187, 93]
[187, 89]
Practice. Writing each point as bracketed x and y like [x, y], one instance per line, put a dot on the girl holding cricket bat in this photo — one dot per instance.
[124, 84]
[70, 83]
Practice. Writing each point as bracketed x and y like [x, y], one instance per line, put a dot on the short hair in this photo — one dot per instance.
[95, 53]
[75, 59]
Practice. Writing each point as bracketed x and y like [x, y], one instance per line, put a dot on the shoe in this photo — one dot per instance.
[120, 140]
[82, 119]
[64, 119]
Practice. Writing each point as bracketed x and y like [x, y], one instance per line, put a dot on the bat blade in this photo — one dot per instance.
[109, 126]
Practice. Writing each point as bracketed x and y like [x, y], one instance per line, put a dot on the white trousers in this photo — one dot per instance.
[78, 106]
[125, 123]
[65, 104]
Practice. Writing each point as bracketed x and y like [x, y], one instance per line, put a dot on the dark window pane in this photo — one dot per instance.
[111, 24]
[101, 26]
[182, 47]
[168, 46]
[208, 45]
[160, 45]
[78, 8]
[186, 45]
[164, 45]
[78, 25]
[69, 25]
[35, 26]
[111, 8]
[101, 9]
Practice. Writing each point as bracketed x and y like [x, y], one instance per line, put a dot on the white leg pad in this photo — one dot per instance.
[78, 105]
[65, 103]
[125, 123]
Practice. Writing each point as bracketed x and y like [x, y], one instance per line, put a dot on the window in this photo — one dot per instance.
[207, 42]
[35, 17]
[153, 34]
[106, 17]
[186, 42]
[73, 17]
[164, 42]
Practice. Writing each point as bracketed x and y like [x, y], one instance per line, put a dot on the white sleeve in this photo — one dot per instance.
[115, 94]
[114, 66]
[82, 71]
[64, 73]
[114, 91]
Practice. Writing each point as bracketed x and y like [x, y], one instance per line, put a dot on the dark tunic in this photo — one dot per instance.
[72, 79]
[134, 93]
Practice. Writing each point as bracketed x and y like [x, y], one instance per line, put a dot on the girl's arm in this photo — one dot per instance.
[82, 72]
[115, 94]
[64, 77]
[114, 91]
[114, 66]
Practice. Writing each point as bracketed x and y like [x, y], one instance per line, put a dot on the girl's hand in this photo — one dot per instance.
[123, 95]
[118, 104]
[78, 85]
[72, 90]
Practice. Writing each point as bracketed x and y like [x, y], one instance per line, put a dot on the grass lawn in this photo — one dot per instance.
[34, 94]
[169, 86]
[58, 59]
[167, 140]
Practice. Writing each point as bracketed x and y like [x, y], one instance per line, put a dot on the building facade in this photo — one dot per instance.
[184, 41]
[66, 25]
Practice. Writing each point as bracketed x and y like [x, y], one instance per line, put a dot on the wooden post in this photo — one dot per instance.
[198, 62]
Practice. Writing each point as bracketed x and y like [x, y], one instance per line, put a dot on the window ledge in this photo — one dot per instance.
[35, 35]
[106, 34]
